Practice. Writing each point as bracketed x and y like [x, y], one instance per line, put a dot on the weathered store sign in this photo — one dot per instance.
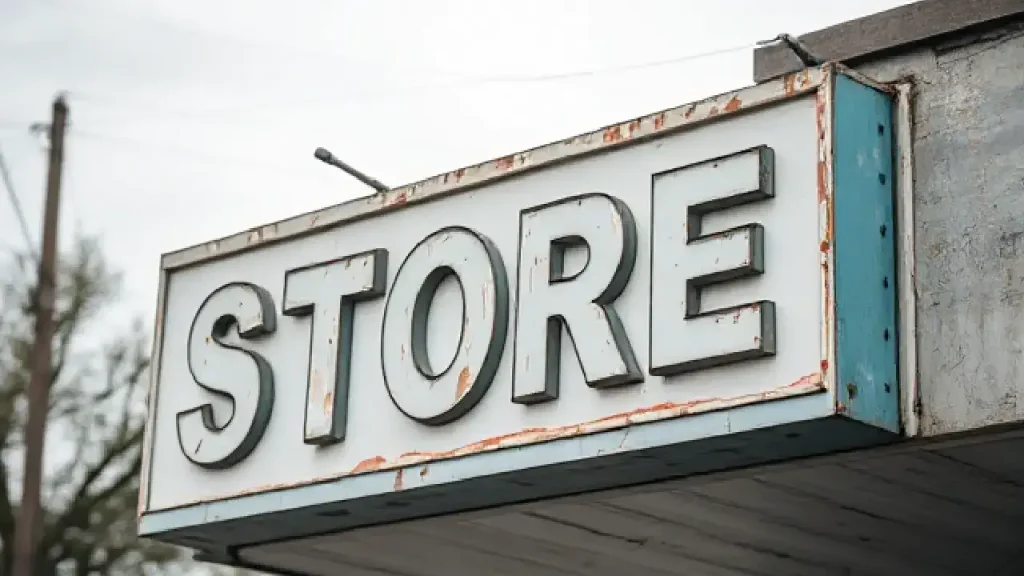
[696, 279]
[550, 299]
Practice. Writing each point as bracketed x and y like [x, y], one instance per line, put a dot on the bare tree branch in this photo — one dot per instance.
[92, 481]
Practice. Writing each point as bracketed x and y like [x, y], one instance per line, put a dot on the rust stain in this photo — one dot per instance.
[733, 104]
[713, 112]
[809, 384]
[690, 110]
[398, 480]
[789, 84]
[401, 199]
[804, 78]
[464, 383]
[506, 163]
[369, 465]
[824, 366]
[659, 121]
[822, 181]
[823, 148]
[329, 403]
[613, 134]
[459, 174]
[825, 214]
[824, 164]
[633, 127]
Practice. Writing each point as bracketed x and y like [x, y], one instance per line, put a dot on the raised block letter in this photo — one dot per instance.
[222, 365]
[548, 298]
[685, 261]
[328, 292]
[419, 390]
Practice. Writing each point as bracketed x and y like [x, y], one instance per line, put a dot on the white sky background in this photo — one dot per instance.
[194, 119]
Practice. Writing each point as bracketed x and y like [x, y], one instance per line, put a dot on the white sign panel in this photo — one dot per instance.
[667, 278]
[702, 289]
[720, 268]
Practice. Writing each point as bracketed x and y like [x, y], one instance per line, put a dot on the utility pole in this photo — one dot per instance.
[28, 530]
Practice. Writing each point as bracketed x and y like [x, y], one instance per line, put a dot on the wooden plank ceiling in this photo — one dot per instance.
[936, 511]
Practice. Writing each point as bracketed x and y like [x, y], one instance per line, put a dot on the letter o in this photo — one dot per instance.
[418, 391]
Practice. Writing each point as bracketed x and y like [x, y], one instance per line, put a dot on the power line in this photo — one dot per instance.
[614, 69]
[16, 203]
[465, 82]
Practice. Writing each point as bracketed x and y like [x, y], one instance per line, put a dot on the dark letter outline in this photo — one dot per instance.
[265, 398]
[617, 284]
[499, 327]
[342, 377]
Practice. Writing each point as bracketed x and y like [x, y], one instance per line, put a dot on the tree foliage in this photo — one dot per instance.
[95, 426]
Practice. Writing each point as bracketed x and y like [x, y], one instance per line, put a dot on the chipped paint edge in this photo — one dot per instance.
[823, 114]
[608, 138]
[810, 404]
[806, 385]
[146, 466]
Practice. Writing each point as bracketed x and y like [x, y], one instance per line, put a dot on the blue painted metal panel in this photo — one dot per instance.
[867, 354]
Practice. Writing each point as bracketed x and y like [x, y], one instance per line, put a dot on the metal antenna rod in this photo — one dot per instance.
[324, 155]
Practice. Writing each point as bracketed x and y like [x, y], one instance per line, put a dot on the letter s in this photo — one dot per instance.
[222, 366]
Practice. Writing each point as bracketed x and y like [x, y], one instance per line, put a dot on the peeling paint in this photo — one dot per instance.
[825, 208]
[809, 384]
[664, 122]
[465, 381]
[789, 84]
[328, 403]
[368, 465]
[506, 163]
[613, 134]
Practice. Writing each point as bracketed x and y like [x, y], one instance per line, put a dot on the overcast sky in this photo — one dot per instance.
[193, 119]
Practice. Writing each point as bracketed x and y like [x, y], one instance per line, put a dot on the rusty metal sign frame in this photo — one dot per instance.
[816, 82]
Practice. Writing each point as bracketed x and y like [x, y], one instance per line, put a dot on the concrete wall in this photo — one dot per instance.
[969, 204]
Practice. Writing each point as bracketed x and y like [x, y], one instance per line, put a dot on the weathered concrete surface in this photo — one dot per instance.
[969, 204]
[885, 33]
